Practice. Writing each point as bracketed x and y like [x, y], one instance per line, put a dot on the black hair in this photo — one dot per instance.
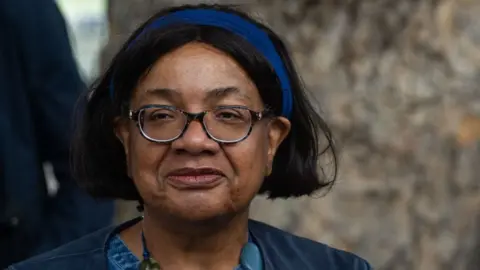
[99, 161]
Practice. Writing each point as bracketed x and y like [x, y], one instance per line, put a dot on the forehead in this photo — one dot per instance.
[194, 70]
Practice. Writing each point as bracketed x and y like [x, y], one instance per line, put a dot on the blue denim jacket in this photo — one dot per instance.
[280, 251]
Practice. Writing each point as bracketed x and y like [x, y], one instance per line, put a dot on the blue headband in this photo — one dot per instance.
[240, 26]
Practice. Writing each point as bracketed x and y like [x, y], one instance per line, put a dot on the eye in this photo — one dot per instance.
[161, 115]
[232, 115]
[226, 115]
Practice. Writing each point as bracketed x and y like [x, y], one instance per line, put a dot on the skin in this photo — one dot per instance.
[197, 228]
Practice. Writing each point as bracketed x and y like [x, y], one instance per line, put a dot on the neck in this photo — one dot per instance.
[213, 244]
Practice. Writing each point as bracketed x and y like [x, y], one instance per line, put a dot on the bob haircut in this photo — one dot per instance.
[99, 161]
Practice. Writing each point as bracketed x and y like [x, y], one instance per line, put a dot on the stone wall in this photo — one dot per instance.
[399, 81]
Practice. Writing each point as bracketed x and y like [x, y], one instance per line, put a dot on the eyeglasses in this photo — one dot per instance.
[224, 124]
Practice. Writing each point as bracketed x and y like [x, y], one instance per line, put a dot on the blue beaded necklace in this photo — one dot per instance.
[250, 257]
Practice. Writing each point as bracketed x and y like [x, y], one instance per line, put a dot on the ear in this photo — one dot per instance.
[122, 133]
[279, 128]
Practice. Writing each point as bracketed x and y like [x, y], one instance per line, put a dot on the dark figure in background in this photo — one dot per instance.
[39, 87]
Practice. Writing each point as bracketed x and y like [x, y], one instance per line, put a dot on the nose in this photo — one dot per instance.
[195, 141]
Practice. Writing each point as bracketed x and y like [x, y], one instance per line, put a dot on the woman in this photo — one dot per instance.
[199, 111]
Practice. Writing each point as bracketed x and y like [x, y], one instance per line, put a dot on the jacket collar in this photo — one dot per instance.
[256, 230]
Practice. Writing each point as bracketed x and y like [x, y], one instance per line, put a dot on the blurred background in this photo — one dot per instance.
[399, 82]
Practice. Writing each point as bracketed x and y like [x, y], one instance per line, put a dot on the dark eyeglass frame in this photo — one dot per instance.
[137, 117]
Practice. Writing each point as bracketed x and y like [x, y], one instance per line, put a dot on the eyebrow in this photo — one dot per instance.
[163, 93]
[216, 93]
[224, 92]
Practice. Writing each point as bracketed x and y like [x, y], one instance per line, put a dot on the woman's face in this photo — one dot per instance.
[194, 177]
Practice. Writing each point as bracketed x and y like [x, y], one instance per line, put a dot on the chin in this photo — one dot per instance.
[203, 217]
[202, 208]
[198, 205]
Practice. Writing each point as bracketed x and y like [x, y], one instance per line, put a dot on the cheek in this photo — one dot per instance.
[144, 159]
[249, 160]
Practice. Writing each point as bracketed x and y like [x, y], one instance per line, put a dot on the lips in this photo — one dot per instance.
[195, 178]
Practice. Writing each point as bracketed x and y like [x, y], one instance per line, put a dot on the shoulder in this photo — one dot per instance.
[283, 248]
[78, 254]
